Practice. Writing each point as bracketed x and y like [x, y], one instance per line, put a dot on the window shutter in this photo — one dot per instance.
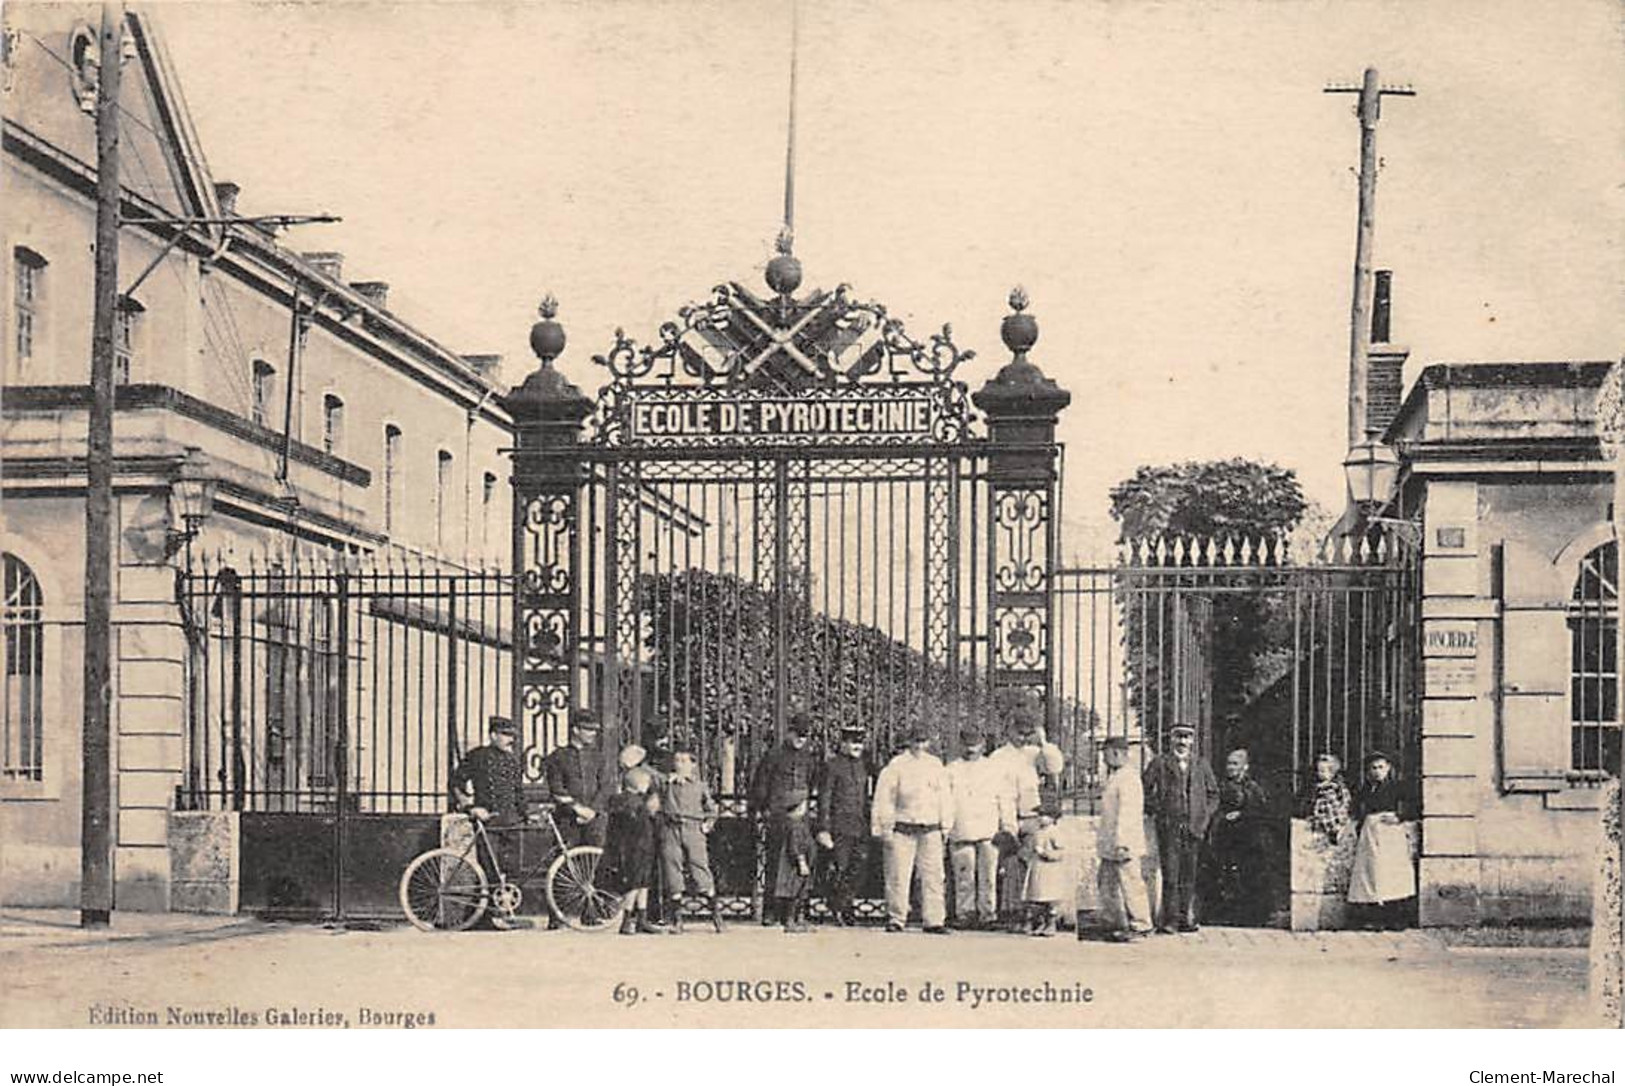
[1534, 700]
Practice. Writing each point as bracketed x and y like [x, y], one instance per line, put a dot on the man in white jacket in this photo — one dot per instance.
[1124, 906]
[1026, 757]
[912, 811]
[983, 809]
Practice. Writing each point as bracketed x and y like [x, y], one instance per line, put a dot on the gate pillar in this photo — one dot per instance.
[548, 474]
[1022, 407]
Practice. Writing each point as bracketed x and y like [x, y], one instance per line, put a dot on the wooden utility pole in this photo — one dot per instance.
[96, 821]
[1371, 93]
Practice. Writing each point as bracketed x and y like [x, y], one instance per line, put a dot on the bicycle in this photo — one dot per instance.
[447, 889]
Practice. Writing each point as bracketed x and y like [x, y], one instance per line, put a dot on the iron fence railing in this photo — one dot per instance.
[1253, 650]
[323, 684]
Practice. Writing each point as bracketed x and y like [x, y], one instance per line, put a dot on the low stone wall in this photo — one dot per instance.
[205, 858]
[455, 831]
[1320, 875]
[1606, 933]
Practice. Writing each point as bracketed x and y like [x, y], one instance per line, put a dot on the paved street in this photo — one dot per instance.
[236, 971]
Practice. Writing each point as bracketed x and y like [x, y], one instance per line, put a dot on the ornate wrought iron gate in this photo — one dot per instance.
[788, 505]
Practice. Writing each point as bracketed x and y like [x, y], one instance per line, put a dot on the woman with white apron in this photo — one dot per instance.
[1384, 877]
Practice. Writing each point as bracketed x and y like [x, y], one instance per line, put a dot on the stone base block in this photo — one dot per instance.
[1449, 892]
[1319, 912]
[141, 879]
[205, 858]
[455, 831]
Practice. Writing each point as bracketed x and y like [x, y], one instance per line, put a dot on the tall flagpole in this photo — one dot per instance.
[788, 236]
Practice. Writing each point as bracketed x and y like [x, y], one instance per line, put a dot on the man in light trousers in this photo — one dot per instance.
[1124, 906]
[982, 811]
[911, 814]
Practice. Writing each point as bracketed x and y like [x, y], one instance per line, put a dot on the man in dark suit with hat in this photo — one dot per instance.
[1181, 796]
[786, 770]
[495, 775]
[843, 820]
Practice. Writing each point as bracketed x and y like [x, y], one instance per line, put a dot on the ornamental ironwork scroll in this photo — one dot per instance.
[824, 369]
[546, 609]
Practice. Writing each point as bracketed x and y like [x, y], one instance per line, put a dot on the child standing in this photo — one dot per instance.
[631, 849]
[688, 815]
[1049, 874]
[794, 880]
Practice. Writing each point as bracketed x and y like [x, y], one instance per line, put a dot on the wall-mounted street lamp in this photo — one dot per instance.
[191, 499]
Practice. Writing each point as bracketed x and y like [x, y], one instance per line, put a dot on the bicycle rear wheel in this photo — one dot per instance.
[443, 890]
[573, 895]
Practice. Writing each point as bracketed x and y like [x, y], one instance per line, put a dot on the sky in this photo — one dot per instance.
[1167, 180]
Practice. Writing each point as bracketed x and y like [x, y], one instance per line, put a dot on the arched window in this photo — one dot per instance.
[442, 498]
[264, 390]
[392, 464]
[27, 299]
[1594, 680]
[488, 493]
[332, 425]
[22, 713]
[126, 337]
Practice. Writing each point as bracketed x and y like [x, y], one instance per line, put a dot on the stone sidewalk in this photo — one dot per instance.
[25, 928]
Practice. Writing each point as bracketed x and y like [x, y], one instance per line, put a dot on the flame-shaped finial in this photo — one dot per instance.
[1018, 298]
[549, 307]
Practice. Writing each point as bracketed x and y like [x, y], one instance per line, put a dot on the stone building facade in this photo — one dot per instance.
[1504, 479]
[386, 441]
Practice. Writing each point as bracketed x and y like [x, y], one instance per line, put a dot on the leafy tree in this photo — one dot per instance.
[1233, 501]
[1211, 499]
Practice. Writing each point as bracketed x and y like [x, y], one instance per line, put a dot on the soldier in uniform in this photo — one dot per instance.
[787, 769]
[577, 781]
[495, 776]
[843, 821]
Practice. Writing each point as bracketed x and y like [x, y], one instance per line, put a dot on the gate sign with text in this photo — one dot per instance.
[654, 415]
[823, 369]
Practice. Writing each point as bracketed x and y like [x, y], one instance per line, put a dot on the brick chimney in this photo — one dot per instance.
[225, 194]
[376, 292]
[1385, 374]
[329, 264]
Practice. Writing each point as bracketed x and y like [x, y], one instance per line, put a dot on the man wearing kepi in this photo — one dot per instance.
[788, 769]
[843, 821]
[576, 780]
[1121, 843]
[495, 775]
[1182, 796]
[913, 810]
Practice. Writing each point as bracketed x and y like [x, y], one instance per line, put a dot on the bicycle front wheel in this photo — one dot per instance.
[443, 890]
[573, 895]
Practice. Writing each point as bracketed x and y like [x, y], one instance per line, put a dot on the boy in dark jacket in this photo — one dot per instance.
[793, 881]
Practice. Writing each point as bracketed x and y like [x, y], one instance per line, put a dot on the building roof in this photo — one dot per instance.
[1522, 410]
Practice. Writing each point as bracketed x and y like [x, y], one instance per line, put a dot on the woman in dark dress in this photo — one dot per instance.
[632, 849]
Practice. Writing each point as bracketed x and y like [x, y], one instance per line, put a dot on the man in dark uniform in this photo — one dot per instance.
[578, 783]
[495, 776]
[843, 821]
[1181, 796]
[787, 769]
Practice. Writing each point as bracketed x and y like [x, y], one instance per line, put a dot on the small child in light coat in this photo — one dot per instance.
[1049, 874]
